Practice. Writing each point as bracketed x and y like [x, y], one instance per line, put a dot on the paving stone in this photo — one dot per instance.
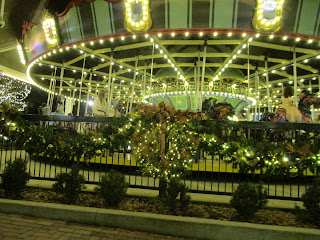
[64, 229]
[14, 226]
[40, 234]
[84, 232]
[57, 235]
[94, 238]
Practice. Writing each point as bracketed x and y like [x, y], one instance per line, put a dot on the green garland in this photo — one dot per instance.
[185, 135]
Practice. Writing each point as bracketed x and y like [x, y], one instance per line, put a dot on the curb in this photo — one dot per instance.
[187, 227]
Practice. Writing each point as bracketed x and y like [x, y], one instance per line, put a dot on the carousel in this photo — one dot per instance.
[179, 52]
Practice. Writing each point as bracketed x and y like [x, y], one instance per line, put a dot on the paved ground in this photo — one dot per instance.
[13, 226]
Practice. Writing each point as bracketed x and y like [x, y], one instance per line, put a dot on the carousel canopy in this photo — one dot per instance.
[155, 49]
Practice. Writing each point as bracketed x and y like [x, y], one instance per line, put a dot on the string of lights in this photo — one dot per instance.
[13, 91]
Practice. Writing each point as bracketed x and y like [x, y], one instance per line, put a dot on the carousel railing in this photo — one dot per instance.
[207, 174]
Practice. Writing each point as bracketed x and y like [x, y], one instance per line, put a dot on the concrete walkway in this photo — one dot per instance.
[13, 226]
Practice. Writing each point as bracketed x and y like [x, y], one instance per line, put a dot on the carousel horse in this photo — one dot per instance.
[217, 111]
[280, 116]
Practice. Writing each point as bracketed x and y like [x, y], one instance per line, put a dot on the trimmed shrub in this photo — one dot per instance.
[14, 178]
[112, 188]
[176, 189]
[311, 201]
[248, 198]
[69, 185]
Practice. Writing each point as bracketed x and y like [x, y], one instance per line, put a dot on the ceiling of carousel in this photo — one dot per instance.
[94, 43]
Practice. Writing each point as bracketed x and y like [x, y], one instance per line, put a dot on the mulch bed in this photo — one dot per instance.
[154, 205]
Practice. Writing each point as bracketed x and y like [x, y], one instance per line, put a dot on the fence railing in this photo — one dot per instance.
[208, 174]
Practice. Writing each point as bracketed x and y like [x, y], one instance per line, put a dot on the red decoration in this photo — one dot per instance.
[73, 3]
[77, 3]
[26, 26]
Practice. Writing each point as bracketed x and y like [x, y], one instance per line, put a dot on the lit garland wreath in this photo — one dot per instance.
[164, 140]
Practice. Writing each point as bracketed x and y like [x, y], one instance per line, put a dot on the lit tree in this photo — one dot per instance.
[13, 92]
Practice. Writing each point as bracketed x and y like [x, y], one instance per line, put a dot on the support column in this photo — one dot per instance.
[195, 85]
[267, 82]
[150, 84]
[144, 82]
[312, 106]
[50, 89]
[109, 83]
[89, 90]
[248, 73]
[53, 89]
[198, 83]
[256, 95]
[203, 72]
[61, 79]
[133, 83]
[82, 73]
[258, 99]
[112, 90]
[319, 84]
[295, 76]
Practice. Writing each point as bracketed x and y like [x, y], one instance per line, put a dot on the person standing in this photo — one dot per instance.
[292, 112]
[99, 107]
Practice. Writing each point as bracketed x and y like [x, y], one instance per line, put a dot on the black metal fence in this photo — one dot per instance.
[207, 175]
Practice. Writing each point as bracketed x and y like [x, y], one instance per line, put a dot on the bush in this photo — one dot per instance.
[248, 198]
[311, 201]
[69, 185]
[174, 189]
[14, 178]
[112, 188]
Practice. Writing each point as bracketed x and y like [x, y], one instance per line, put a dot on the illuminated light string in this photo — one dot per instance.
[226, 65]
[262, 24]
[285, 66]
[14, 92]
[21, 54]
[157, 46]
[50, 31]
[179, 154]
[133, 23]
[252, 101]
[68, 47]
[92, 56]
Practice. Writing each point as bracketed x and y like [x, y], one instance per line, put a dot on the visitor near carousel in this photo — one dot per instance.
[292, 112]
[99, 107]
